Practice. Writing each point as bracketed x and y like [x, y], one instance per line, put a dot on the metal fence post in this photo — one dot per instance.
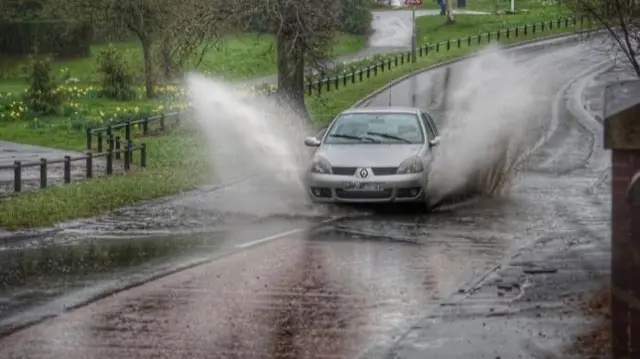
[127, 156]
[110, 161]
[99, 142]
[89, 165]
[143, 155]
[67, 169]
[43, 173]
[17, 176]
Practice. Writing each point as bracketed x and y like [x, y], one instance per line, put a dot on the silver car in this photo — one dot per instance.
[372, 155]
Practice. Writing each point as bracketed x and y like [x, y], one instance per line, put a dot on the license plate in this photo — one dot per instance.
[363, 186]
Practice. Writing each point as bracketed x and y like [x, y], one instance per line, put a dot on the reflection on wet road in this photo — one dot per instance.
[329, 292]
[288, 280]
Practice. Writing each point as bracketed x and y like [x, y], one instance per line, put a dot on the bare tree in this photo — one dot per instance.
[621, 18]
[303, 30]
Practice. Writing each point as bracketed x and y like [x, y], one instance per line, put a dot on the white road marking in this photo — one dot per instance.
[279, 235]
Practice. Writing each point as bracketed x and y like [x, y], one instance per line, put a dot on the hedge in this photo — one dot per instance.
[62, 39]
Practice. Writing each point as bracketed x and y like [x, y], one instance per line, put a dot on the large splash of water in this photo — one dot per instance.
[491, 124]
[247, 134]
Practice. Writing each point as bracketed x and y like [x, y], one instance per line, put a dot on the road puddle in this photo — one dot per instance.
[34, 275]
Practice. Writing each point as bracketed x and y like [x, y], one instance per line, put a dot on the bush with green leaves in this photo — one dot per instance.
[42, 97]
[117, 81]
[356, 16]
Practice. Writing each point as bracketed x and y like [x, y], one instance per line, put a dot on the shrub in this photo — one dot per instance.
[61, 38]
[117, 81]
[42, 97]
[356, 16]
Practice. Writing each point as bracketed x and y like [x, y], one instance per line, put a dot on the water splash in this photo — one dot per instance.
[492, 121]
[247, 134]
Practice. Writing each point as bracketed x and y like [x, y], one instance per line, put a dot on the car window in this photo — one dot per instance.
[385, 128]
[431, 131]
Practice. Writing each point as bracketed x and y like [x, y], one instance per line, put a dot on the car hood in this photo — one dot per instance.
[368, 155]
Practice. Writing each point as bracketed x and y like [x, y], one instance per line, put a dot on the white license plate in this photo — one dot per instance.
[363, 186]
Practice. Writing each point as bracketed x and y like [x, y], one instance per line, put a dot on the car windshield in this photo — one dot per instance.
[385, 128]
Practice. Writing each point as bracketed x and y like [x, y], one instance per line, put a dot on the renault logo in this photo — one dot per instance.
[364, 173]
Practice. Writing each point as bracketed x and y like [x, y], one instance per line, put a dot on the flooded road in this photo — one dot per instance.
[286, 280]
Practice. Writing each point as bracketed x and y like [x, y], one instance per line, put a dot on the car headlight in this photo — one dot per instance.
[320, 165]
[411, 165]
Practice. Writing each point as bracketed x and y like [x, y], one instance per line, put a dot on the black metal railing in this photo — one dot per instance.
[115, 151]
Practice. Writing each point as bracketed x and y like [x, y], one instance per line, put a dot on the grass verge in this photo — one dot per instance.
[176, 162]
[529, 6]
[236, 57]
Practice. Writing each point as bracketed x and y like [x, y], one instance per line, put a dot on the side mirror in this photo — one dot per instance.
[312, 142]
[434, 142]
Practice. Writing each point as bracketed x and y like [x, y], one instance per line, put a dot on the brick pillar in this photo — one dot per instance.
[622, 137]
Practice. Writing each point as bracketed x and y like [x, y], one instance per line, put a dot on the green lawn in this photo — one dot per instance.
[535, 6]
[235, 57]
[431, 29]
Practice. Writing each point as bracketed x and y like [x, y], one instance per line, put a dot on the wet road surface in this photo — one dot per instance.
[293, 286]
[27, 154]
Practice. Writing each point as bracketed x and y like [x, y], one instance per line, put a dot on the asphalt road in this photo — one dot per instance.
[284, 279]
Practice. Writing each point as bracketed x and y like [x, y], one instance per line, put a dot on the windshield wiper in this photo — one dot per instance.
[391, 137]
[350, 137]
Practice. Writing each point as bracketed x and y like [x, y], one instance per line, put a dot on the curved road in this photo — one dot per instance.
[288, 280]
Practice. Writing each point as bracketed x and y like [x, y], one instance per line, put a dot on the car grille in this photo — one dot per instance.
[378, 171]
[364, 194]
[344, 171]
[383, 171]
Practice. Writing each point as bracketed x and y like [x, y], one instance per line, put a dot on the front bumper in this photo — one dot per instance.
[329, 188]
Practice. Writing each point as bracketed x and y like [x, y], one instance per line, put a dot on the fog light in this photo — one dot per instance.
[317, 192]
[413, 192]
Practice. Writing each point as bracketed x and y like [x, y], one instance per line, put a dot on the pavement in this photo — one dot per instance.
[252, 270]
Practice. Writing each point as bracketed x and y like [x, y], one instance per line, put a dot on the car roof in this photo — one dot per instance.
[391, 109]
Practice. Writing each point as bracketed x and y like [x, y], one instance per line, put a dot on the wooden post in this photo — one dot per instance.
[622, 137]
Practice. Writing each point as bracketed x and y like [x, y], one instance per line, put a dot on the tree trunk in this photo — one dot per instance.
[290, 63]
[449, 13]
[167, 60]
[148, 67]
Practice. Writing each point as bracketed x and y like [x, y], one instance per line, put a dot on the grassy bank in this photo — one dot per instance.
[237, 57]
[176, 162]
[537, 6]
